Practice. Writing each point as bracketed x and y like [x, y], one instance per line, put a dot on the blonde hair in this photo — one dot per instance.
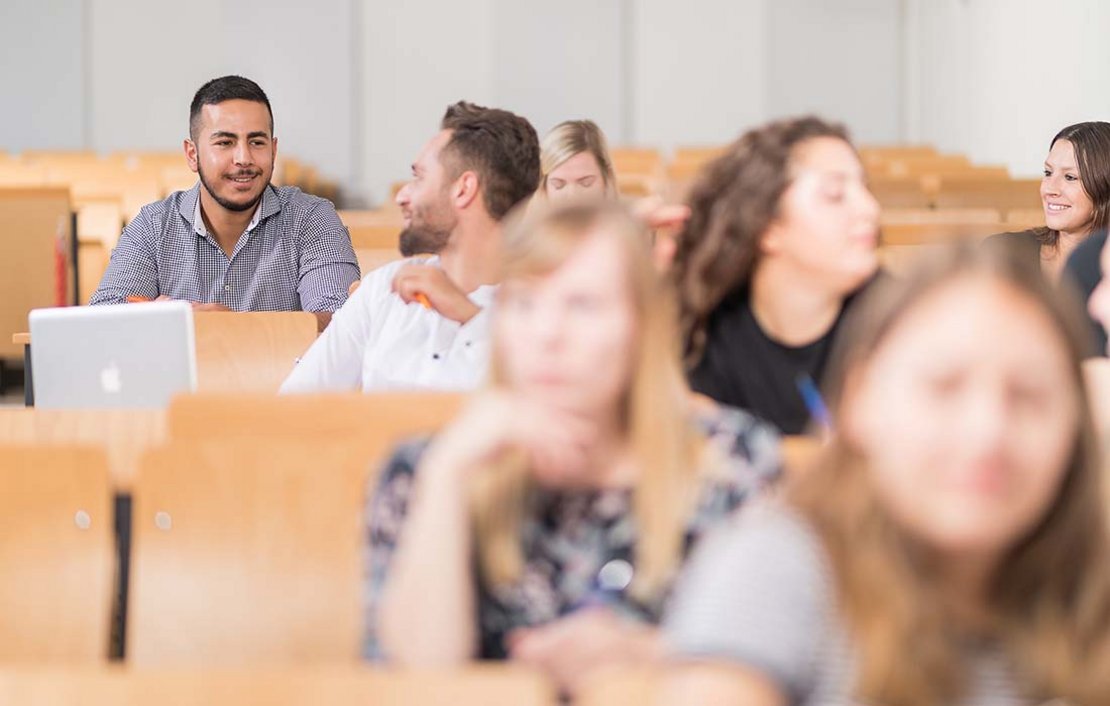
[1049, 600]
[572, 137]
[667, 450]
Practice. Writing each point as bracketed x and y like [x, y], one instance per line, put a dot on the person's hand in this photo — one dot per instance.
[497, 423]
[430, 286]
[576, 648]
[658, 215]
[209, 306]
[666, 220]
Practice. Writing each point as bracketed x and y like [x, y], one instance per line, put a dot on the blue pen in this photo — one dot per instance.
[814, 402]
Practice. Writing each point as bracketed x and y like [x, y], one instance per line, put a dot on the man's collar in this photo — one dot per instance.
[190, 208]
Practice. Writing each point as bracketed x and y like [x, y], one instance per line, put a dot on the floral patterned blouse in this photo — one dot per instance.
[578, 545]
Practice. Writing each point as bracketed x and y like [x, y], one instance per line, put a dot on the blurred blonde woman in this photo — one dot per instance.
[546, 524]
[951, 545]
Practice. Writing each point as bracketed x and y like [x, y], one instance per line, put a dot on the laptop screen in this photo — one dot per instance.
[122, 356]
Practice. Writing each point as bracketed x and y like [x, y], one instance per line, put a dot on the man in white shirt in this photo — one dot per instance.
[424, 323]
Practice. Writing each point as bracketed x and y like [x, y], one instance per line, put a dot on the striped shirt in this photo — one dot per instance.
[761, 593]
[295, 255]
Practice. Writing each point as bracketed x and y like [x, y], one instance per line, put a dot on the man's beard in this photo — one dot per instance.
[230, 205]
[423, 240]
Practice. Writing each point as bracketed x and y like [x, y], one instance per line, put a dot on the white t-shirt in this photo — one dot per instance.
[376, 342]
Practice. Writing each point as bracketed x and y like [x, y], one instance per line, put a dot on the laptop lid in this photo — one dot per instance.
[123, 356]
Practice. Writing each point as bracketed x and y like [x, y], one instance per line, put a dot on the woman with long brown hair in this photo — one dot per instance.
[781, 238]
[950, 546]
[1075, 196]
[546, 523]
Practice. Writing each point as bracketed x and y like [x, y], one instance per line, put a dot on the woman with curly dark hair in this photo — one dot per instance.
[782, 235]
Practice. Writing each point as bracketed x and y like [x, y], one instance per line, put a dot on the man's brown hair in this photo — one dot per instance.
[500, 147]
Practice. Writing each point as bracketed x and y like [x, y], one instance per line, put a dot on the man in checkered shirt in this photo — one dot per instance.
[234, 241]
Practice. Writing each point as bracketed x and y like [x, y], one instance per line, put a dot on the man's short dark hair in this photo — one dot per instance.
[502, 148]
[226, 88]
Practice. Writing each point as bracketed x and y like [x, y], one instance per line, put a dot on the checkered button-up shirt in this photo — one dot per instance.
[295, 255]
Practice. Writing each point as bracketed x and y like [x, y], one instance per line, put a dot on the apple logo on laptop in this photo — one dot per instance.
[110, 380]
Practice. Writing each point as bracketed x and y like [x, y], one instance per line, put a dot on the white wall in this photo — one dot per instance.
[41, 47]
[358, 85]
[303, 60]
[650, 72]
[938, 74]
[143, 71]
[417, 57]
[998, 78]
[700, 70]
[148, 57]
[119, 74]
[841, 60]
[560, 61]
[549, 62]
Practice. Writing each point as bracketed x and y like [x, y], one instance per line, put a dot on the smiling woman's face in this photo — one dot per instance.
[1067, 206]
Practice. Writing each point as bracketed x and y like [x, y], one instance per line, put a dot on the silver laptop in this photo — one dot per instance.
[129, 355]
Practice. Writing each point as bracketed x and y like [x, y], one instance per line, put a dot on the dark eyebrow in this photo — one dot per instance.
[1050, 165]
[220, 134]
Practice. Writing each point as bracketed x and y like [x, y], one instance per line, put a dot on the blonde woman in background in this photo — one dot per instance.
[546, 523]
[575, 162]
[574, 159]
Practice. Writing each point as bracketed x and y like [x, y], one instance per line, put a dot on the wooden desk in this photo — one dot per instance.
[124, 434]
[251, 351]
[339, 685]
[37, 252]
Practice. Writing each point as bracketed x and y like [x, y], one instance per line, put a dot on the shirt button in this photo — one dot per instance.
[227, 288]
